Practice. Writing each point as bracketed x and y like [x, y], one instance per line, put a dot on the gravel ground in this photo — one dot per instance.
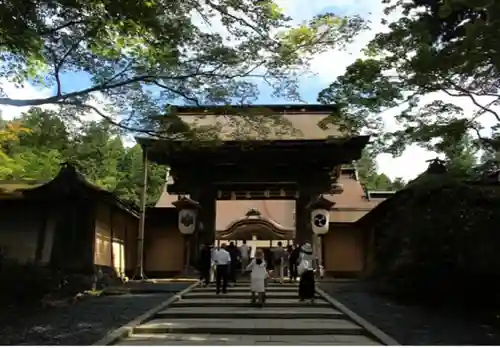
[412, 324]
[80, 324]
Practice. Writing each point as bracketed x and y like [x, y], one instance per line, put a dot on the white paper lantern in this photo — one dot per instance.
[187, 221]
[320, 221]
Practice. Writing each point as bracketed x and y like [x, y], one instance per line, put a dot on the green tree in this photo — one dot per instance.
[143, 55]
[38, 142]
[461, 156]
[35, 164]
[47, 130]
[9, 134]
[96, 150]
[446, 46]
[369, 176]
[398, 184]
[129, 188]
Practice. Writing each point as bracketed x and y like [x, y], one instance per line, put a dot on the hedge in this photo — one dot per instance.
[440, 239]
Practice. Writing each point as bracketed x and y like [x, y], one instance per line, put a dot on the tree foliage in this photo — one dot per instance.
[95, 147]
[142, 56]
[371, 178]
[449, 46]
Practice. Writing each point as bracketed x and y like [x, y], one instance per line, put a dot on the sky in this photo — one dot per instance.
[327, 67]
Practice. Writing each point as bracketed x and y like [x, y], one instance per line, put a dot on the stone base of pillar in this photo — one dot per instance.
[190, 272]
[139, 274]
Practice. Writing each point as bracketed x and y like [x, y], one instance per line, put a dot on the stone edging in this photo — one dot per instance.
[126, 329]
[372, 330]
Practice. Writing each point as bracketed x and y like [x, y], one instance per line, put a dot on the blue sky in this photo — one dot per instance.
[310, 86]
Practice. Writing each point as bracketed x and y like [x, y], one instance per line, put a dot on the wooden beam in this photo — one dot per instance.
[253, 174]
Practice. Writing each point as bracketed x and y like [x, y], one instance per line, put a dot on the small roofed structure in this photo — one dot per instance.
[69, 224]
[71, 182]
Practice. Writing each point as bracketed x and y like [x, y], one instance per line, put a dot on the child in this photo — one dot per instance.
[258, 277]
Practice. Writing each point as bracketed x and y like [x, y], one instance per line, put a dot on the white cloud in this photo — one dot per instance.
[28, 92]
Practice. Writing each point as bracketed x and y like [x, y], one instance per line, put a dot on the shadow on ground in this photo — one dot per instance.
[82, 323]
[414, 324]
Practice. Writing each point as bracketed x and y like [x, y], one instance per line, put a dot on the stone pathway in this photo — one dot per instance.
[203, 318]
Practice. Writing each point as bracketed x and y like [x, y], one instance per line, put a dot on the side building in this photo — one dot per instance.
[68, 224]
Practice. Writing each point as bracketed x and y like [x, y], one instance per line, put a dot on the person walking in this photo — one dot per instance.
[205, 263]
[244, 250]
[258, 277]
[278, 255]
[306, 271]
[213, 266]
[293, 260]
[234, 252]
[222, 260]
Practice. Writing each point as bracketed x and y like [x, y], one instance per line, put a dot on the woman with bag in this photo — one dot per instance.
[306, 271]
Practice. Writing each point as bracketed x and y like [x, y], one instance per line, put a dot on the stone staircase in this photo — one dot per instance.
[203, 318]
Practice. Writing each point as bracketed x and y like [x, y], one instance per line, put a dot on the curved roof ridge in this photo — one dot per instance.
[255, 219]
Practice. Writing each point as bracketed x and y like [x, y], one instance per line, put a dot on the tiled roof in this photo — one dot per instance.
[350, 205]
[291, 126]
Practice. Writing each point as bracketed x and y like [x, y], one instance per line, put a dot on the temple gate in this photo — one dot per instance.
[297, 170]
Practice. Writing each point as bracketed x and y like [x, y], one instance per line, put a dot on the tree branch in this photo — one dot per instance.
[58, 99]
[183, 95]
[465, 93]
[109, 119]
[62, 26]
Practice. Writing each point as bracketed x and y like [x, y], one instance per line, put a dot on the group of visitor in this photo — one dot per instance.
[300, 261]
[226, 260]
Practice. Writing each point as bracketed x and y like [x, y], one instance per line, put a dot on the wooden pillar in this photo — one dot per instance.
[321, 250]
[205, 229]
[303, 231]
[139, 271]
[42, 235]
[208, 205]
[111, 240]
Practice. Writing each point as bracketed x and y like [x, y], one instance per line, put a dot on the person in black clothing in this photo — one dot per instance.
[293, 259]
[234, 252]
[205, 262]
[268, 255]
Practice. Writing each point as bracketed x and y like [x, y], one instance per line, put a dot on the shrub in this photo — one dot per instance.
[24, 282]
[440, 240]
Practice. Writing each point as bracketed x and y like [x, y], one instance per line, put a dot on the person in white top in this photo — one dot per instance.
[222, 260]
[258, 277]
[244, 255]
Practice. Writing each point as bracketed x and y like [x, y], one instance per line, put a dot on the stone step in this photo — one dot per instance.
[246, 287]
[251, 327]
[223, 301]
[207, 339]
[254, 313]
[269, 283]
[243, 295]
